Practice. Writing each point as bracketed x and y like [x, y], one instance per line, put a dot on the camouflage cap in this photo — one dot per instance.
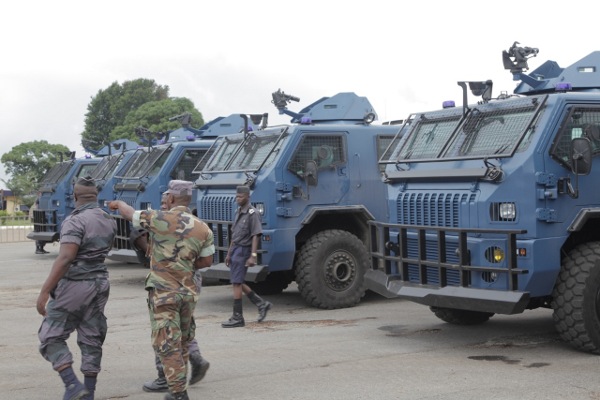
[242, 189]
[179, 188]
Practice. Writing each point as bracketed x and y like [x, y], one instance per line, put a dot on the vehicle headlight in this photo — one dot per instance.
[260, 207]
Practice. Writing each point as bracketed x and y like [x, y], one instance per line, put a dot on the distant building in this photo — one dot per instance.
[9, 203]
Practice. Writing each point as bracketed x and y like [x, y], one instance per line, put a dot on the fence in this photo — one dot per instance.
[14, 229]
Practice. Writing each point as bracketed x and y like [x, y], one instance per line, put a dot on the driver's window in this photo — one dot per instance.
[582, 122]
[325, 151]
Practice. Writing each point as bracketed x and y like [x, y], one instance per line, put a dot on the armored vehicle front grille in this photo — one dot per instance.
[217, 208]
[44, 221]
[121, 241]
[432, 273]
[432, 209]
[217, 212]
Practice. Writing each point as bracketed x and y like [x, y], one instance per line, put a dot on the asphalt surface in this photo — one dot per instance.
[380, 349]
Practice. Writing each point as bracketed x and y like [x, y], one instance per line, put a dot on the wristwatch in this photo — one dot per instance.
[254, 254]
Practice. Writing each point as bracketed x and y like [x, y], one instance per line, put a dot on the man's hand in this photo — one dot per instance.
[227, 260]
[113, 205]
[251, 261]
[41, 303]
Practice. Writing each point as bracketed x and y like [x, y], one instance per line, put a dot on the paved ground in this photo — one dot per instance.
[381, 349]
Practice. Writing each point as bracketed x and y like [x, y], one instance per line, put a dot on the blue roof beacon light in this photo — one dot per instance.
[563, 87]
[448, 104]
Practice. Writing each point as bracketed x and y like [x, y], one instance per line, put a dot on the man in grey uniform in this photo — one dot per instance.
[78, 290]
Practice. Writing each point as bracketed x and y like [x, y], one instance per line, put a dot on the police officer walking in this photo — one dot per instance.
[243, 245]
[181, 244]
[78, 289]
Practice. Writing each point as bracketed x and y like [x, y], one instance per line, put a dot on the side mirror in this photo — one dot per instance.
[581, 156]
[310, 173]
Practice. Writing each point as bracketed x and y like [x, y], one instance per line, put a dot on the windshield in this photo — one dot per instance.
[106, 167]
[57, 172]
[496, 129]
[238, 153]
[145, 163]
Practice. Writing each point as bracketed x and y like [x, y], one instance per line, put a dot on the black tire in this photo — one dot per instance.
[461, 317]
[275, 283]
[330, 270]
[576, 298]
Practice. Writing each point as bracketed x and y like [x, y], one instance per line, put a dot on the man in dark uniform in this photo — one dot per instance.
[243, 244]
[181, 243]
[78, 289]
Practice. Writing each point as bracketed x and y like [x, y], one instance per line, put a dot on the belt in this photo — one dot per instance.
[90, 262]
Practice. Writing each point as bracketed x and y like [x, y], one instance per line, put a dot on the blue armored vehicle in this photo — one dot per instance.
[495, 206]
[174, 156]
[316, 183]
[56, 199]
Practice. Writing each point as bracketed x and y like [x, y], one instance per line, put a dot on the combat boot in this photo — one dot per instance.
[262, 305]
[263, 309]
[157, 385]
[236, 321]
[177, 396]
[75, 390]
[199, 367]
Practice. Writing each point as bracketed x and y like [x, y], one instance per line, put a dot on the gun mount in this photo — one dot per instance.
[515, 59]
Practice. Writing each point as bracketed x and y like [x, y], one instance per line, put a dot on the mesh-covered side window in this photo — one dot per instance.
[581, 122]
[383, 142]
[326, 151]
[185, 166]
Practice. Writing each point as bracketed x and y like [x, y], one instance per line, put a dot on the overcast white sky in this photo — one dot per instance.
[229, 56]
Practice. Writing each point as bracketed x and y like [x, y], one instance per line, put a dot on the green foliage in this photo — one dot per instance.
[27, 163]
[155, 116]
[109, 108]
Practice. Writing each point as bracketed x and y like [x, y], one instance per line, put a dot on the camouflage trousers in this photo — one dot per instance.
[193, 348]
[75, 305]
[173, 328]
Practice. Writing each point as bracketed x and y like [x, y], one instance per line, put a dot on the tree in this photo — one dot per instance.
[27, 163]
[109, 108]
[155, 116]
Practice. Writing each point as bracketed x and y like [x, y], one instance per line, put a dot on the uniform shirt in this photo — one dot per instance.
[93, 230]
[246, 224]
[178, 240]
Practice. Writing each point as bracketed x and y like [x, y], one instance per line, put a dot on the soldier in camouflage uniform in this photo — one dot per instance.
[181, 243]
[78, 289]
[140, 243]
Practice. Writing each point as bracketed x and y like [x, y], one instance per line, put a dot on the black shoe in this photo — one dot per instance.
[199, 368]
[157, 385]
[41, 251]
[236, 321]
[75, 391]
[263, 309]
[177, 396]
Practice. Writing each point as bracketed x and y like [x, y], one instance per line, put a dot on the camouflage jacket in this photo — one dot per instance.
[178, 240]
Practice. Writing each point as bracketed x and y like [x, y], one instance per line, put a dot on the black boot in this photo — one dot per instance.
[177, 396]
[90, 384]
[74, 389]
[237, 319]
[157, 385]
[263, 305]
[39, 248]
[199, 367]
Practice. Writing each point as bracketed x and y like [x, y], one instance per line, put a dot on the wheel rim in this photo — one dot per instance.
[340, 269]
